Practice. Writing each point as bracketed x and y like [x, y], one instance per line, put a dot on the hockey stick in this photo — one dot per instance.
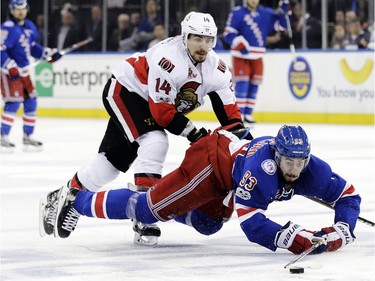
[321, 202]
[64, 51]
[290, 34]
[306, 252]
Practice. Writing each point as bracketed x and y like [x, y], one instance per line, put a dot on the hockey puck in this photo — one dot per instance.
[296, 270]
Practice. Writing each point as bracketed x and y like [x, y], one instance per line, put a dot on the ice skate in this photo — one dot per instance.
[48, 212]
[67, 216]
[56, 213]
[145, 234]
[6, 145]
[248, 119]
[30, 144]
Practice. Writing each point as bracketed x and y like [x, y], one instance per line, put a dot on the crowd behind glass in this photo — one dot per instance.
[131, 25]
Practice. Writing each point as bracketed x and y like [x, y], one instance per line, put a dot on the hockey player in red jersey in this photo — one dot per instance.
[230, 171]
[246, 32]
[151, 92]
[19, 40]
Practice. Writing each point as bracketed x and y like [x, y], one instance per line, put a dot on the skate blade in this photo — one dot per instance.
[7, 150]
[32, 148]
[150, 241]
[42, 206]
[62, 197]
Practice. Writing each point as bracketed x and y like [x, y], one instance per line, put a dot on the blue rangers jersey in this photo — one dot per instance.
[258, 183]
[245, 29]
[18, 43]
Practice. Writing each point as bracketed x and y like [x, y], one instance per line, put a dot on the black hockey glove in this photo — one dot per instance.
[243, 133]
[196, 134]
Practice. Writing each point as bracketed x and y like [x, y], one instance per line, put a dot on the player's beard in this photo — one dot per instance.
[200, 56]
[290, 177]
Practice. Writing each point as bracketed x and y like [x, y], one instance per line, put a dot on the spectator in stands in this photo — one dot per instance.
[357, 38]
[68, 33]
[39, 22]
[122, 38]
[135, 19]
[159, 33]
[340, 17]
[278, 40]
[94, 29]
[146, 26]
[372, 31]
[313, 27]
[337, 41]
[350, 15]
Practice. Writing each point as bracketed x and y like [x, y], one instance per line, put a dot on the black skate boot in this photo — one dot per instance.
[67, 217]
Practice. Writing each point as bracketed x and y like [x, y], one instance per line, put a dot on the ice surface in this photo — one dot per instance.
[103, 250]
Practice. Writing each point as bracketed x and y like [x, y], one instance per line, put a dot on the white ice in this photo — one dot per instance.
[104, 250]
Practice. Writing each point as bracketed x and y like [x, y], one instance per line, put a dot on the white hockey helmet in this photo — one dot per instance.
[198, 24]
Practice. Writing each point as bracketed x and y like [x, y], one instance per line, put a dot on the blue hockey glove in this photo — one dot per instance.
[284, 5]
[244, 51]
[13, 73]
[51, 55]
[56, 55]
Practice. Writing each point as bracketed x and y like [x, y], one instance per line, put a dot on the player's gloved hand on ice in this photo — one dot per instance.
[14, 74]
[337, 236]
[284, 5]
[51, 54]
[196, 134]
[297, 239]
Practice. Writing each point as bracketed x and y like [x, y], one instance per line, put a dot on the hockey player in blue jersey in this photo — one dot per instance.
[246, 32]
[19, 42]
[225, 172]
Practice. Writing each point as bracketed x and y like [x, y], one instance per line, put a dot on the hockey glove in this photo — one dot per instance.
[284, 5]
[243, 133]
[14, 74]
[296, 239]
[51, 55]
[338, 236]
[196, 134]
[55, 56]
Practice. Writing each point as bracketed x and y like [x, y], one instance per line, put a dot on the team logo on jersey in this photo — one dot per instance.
[191, 74]
[269, 166]
[187, 100]
[150, 121]
[222, 66]
[166, 65]
[300, 78]
[243, 194]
